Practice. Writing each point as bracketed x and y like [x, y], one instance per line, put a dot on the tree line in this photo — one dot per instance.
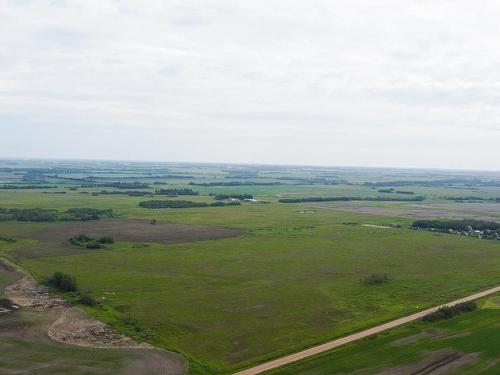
[343, 199]
[42, 214]
[155, 204]
[457, 225]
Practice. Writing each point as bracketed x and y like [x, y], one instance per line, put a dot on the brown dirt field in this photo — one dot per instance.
[477, 211]
[134, 230]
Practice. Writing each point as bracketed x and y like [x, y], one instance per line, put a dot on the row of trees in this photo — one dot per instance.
[16, 187]
[457, 225]
[42, 214]
[118, 185]
[340, 199]
[175, 192]
[448, 312]
[235, 183]
[183, 204]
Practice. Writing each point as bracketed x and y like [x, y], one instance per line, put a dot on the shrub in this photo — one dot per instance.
[106, 240]
[217, 204]
[86, 299]
[377, 278]
[83, 238]
[63, 282]
[94, 245]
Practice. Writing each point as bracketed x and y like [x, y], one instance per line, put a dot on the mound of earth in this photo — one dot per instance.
[76, 327]
[27, 293]
[134, 230]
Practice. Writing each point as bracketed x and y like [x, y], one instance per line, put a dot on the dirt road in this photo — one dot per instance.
[357, 336]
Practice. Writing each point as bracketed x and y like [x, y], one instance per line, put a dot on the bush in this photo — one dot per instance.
[447, 312]
[86, 299]
[7, 239]
[94, 245]
[217, 204]
[106, 240]
[83, 238]
[63, 282]
[377, 278]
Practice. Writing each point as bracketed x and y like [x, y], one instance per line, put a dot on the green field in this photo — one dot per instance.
[292, 280]
[473, 335]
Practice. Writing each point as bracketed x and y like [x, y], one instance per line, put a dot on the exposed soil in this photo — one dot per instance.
[375, 226]
[479, 211]
[27, 293]
[76, 327]
[134, 231]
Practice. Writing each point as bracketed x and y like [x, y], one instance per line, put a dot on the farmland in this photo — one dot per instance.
[232, 286]
[466, 344]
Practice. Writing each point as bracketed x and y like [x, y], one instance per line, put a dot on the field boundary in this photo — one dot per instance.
[359, 335]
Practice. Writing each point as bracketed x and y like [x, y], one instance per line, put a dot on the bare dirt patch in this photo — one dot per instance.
[27, 293]
[478, 211]
[135, 231]
[76, 327]
[375, 226]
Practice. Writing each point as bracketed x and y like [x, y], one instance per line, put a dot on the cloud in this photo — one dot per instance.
[320, 82]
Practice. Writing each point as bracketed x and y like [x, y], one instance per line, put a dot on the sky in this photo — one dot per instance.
[394, 83]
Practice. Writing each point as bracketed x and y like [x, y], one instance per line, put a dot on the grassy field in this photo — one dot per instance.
[291, 279]
[474, 336]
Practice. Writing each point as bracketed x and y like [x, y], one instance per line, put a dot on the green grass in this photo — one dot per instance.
[475, 332]
[294, 280]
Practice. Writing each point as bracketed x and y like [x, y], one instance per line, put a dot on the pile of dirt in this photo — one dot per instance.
[27, 293]
[76, 327]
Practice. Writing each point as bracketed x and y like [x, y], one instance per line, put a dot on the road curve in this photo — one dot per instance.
[357, 336]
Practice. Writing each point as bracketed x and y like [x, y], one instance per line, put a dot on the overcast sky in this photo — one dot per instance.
[332, 82]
